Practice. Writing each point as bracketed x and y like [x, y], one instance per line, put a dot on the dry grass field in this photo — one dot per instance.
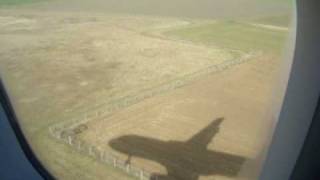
[69, 64]
[97, 59]
[155, 124]
[61, 65]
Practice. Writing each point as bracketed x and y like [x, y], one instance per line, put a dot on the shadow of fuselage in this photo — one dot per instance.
[183, 160]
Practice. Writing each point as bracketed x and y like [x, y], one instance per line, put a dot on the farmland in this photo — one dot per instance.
[61, 64]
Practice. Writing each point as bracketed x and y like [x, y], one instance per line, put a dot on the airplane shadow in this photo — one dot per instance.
[186, 160]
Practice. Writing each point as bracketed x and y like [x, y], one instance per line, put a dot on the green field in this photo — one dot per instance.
[283, 20]
[234, 35]
[16, 2]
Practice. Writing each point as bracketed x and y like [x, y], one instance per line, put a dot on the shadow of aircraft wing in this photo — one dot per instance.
[140, 146]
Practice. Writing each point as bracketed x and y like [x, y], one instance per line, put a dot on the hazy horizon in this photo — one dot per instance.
[207, 9]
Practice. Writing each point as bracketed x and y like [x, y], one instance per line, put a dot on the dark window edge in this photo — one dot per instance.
[26, 148]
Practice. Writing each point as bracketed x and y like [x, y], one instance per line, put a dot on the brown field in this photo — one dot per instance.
[61, 65]
[99, 58]
[239, 95]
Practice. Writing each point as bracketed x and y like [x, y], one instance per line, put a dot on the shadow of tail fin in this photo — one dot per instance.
[203, 138]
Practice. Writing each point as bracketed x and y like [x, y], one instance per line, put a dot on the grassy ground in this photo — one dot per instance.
[175, 126]
[89, 68]
[16, 2]
[283, 21]
[37, 116]
[234, 35]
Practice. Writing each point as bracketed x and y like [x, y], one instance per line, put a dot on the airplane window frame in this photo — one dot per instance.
[307, 166]
[300, 100]
[13, 159]
[21, 139]
[301, 97]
